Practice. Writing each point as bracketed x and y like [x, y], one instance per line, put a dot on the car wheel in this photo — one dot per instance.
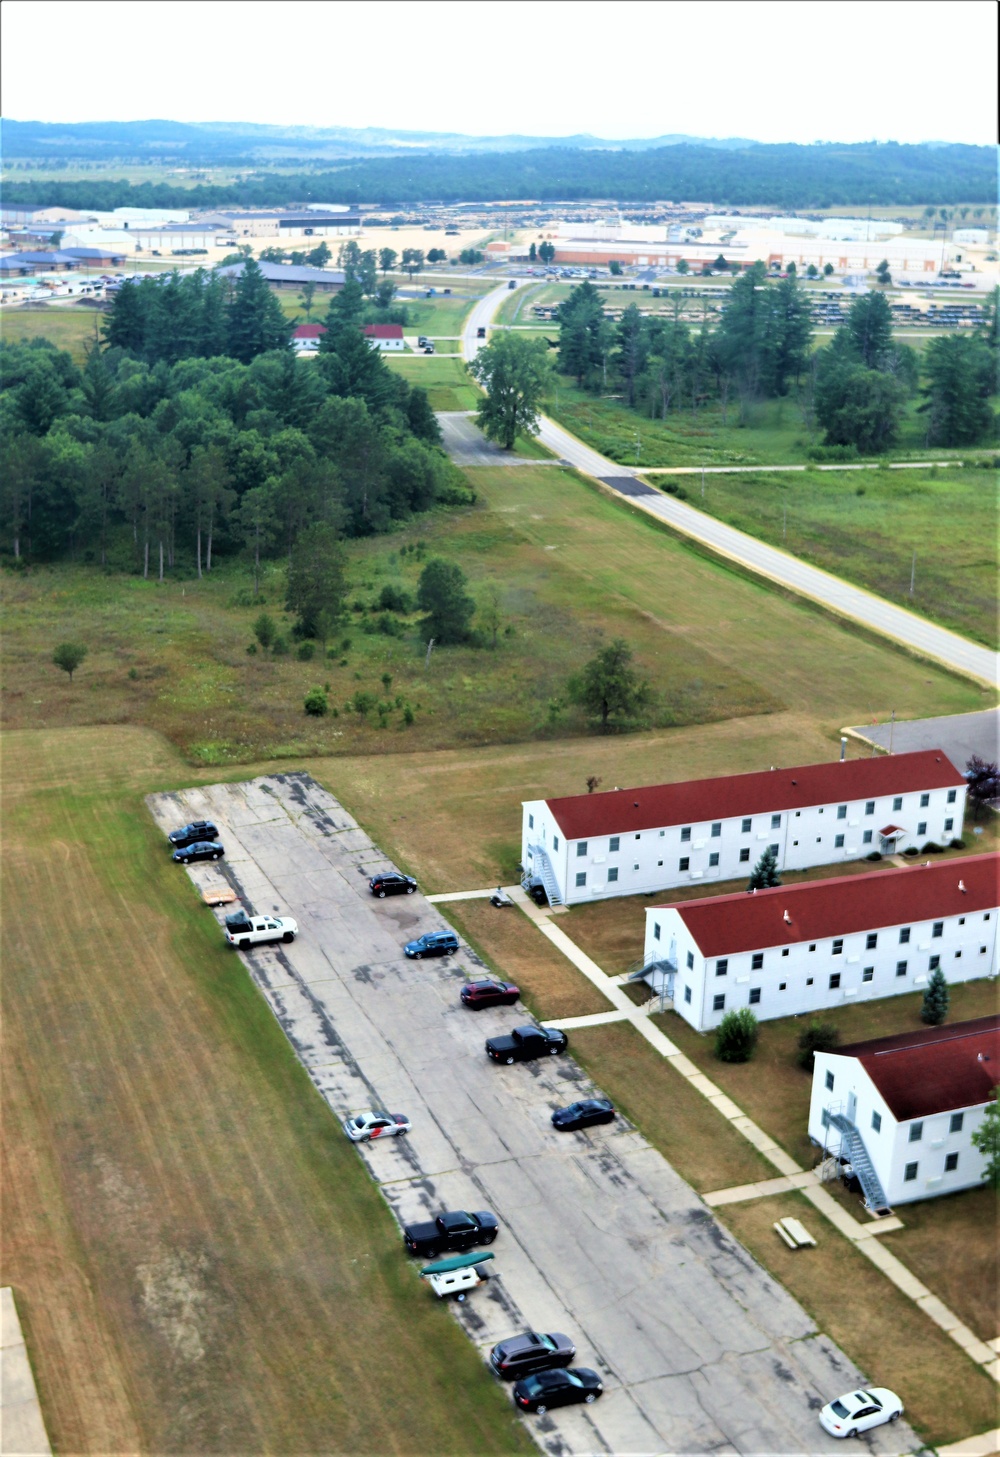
[418, 955]
[895, 1416]
[591, 1396]
[852, 1433]
[217, 855]
[410, 889]
[553, 1051]
[541, 1410]
[509, 1061]
[288, 936]
[381, 895]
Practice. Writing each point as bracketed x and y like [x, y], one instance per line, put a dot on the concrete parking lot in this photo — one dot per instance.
[699, 1348]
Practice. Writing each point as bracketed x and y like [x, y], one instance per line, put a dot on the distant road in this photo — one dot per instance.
[916, 633]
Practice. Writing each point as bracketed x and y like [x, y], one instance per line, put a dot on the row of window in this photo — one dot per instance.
[836, 947]
[950, 1165]
[867, 975]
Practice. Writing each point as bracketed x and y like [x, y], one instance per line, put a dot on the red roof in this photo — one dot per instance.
[383, 331]
[723, 925]
[933, 1070]
[308, 331]
[695, 801]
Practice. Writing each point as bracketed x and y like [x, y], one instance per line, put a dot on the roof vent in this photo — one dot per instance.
[635, 804]
[787, 919]
[961, 886]
[795, 781]
[983, 1057]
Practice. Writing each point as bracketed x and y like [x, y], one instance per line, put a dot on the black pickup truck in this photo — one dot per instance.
[458, 1230]
[526, 1043]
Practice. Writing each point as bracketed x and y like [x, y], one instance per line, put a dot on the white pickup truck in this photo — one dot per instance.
[243, 930]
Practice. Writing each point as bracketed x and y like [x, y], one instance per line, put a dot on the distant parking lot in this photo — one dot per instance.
[700, 1350]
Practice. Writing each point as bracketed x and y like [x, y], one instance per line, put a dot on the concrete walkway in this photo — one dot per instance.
[792, 1177]
[22, 1431]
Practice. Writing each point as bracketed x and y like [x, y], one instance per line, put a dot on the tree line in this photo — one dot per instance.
[195, 431]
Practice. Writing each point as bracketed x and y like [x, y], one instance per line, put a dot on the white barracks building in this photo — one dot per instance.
[802, 948]
[634, 841]
[903, 1109]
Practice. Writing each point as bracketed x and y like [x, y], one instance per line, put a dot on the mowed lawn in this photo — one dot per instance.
[200, 1260]
[72, 329]
[444, 377]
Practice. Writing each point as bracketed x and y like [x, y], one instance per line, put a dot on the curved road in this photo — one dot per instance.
[922, 637]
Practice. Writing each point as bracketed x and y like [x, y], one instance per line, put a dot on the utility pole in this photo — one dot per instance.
[427, 660]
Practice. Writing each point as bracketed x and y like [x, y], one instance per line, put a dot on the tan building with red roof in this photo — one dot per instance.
[903, 1109]
[799, 949]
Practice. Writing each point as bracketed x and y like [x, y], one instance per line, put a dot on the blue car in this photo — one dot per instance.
[435, 943]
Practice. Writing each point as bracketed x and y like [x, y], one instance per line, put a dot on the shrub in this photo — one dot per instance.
[407, 715]
[736, 1036]
[252, 648]
[307, 651]
[875, 855]
[936, 999]
[911, 851]
[316, 702]
[265, 631]
[394, 599]
[279, 648]
[956, 845]
[818, 1037]
[931, 849]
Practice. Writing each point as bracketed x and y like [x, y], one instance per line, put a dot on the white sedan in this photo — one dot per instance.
[364, 1126]
[859, 1411]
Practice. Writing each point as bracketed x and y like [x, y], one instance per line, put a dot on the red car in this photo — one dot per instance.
[476, 994]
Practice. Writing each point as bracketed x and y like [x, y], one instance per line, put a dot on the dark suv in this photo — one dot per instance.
[522, 1355]
[389, 884]
[193, 833]
[435, 943]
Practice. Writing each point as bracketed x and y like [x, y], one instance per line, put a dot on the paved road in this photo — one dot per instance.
[467, 445]
[960, 735]
[700, 1349]
[904, 627]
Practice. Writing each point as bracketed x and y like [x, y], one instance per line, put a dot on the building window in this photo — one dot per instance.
[950, 1162]
[782, 985]
[961, 920]
[812, 945]
[662, 833]
[581, 877]
[635, 867]
[934, 963]
[716, 829]
[555, 842]
[685, 834]
[638, 837]
[910, 1173]
[952, 795]
[775, 822]
[922, 827]
[829, 1082]
[866, 837]
[958, 955]
[754, 996]
[925, 800]
[612, 874]
[774, 849]
[757, 961]
[949, 824]
[917, 1131]
[613, 844]
[842, 811]
[784, 950]
[877, 1122]
[689, 959]
[982, 950]
[897, 803]
[745, 827]
[937, 929]
[904, 935]
[745, 855]
[809, 981]
[957, 1119]
[868, 974]
[987, 916]
[869, 807]
[656, 930]
[531, 822]
[834, 980]
[581, 847]
[871, 940]
[719, 1003]
[900, 968]
[659, 864]
[722, 966]
[838, 842]
[713, 859]
[687, 994]
[838, 947]
[683, 863]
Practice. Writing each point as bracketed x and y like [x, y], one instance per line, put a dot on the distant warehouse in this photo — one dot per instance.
[288, 225]
[289, 275]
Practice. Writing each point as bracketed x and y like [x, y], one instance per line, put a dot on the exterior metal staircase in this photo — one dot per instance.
[659, 970]
[853, 1145]
[541, 869]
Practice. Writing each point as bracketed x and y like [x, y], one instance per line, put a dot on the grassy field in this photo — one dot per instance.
[201, 1261]
[72, 329]
[445, 379]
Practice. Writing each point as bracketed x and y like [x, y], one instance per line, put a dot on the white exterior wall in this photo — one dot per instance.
[893, 1147]
[795, 980]
[654, 860]
[538, 827]
[386, 343]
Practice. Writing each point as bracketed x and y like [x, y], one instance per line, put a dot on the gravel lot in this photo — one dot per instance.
[701, 1351]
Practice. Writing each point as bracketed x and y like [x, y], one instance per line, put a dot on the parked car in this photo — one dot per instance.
[476, 994]
[422, 339]
[435, 943]
[557, 1388]
[243, 930]
[192, 834]
[525, 1354]
[513, 283]
[859, 1411]
[363, 1127]
[481, 332]
[391, 884]
[200, 850]
[458, 1230]
[428, 348]
[526, 1043]
[585, 1114]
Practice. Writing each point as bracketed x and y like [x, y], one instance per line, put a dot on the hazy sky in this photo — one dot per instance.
[838, 70]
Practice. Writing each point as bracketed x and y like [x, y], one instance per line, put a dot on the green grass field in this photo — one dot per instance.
[445, 379]
[72, 329]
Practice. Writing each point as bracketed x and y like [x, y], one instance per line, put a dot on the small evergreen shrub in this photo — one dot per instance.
[936, 999]
[306, 652]
[736, 1036]
[875, 855]
[279, 648]
[393, 598]
[316, 703]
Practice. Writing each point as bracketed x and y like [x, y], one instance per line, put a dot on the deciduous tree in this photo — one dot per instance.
[513, 371]
[609, 688]
[69, 656]
[986, 1138]
[442, 596]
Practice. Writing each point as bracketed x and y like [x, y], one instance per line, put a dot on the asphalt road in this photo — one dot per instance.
[921, 636]
[701, 1351]
[960, 735]
[467, 445]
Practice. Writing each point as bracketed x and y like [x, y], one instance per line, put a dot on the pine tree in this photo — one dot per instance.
[936, 999]
[765, 872]
[256, 322]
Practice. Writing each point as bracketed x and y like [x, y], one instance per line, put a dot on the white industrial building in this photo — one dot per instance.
[288, 226]
[800, 949]
[181, 238]
[639, 841]
[902, 1110]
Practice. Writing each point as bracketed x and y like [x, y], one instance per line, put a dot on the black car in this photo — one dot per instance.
[524, 1044]
[557, 1388]
[435, 943]
[525, 1354]
[201, 850]
[192, 834]
[476, 994]
[455, 1230]
[584, 1114]
[391, 884]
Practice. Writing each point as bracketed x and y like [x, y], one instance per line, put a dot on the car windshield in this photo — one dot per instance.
[547, 1342]
[358, 1122]
[839, 1409]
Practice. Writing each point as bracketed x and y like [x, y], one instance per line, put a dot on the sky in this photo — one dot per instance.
[821, 70]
